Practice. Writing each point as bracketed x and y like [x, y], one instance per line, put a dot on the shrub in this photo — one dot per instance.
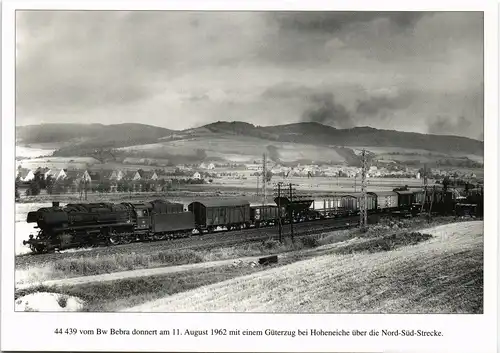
[270, 244]
[310, 241]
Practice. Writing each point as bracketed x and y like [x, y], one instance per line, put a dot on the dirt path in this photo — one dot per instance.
[442, 275]
[137, 273]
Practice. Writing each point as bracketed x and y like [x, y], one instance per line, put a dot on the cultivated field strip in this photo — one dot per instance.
[207, 241]
[442, 275]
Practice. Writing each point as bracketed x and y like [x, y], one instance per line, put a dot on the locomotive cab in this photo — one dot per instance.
[143, 221]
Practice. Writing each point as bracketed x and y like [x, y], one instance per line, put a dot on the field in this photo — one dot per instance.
[33, 152]
[319, 184]
[443, 275]
[238, 149]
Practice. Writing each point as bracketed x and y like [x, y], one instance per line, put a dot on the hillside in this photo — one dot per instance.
[243, 142]
[318, 134]
[90, 135]
[441, 275]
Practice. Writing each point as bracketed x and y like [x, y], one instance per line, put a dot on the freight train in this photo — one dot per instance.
[94, 224]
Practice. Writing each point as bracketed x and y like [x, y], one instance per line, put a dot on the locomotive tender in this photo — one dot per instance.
[94, 224]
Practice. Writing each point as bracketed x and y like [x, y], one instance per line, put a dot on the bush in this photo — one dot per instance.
[310, 241]
[270, 244]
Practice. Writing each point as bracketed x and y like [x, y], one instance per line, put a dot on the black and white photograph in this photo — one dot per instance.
[260, 162]
[249, 161]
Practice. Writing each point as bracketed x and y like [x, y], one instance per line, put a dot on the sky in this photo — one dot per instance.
[408, 71]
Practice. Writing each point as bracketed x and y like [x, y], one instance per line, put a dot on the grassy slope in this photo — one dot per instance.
[443, 275]
[237, 148]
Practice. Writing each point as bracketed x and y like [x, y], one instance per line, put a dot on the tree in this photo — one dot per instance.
[17, 192]
[269, 176]
[49, 184]
[33, 189]
[446, 183]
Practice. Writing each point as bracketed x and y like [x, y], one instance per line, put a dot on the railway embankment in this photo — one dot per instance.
[113, 291]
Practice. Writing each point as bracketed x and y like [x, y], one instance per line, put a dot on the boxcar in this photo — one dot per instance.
[387, 200]
[350, 202]
[220, 213]
[328, 206]
[405, 199]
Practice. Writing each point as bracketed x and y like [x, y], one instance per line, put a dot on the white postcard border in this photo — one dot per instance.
[462, 333]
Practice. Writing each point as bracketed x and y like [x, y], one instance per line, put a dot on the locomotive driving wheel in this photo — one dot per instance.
[38, 248]
[113, 238]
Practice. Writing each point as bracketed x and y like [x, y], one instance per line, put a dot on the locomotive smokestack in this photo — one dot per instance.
[55, 203]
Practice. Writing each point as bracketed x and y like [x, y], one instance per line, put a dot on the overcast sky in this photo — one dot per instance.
[410, 71]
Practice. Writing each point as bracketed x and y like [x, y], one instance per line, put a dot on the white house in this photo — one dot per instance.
[117, 175]
[148, 175]
[197, 175]
[131, 175]
[60, 175]
[25, 174]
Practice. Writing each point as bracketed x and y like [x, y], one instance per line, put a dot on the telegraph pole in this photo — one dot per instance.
[363, 212]
[280, 230]
[425, 188]
[264, 178]
[291, 212]
[258, 177]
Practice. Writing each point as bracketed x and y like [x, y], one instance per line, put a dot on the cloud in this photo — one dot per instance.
[334, 21]
[183, 69]
[383, 102]
[446, 125]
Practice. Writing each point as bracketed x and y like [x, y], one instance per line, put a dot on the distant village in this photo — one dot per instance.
[96, 178]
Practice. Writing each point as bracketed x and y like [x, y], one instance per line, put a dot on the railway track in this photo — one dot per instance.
[207, 241]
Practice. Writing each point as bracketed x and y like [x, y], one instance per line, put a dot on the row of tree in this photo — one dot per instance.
[53, 186]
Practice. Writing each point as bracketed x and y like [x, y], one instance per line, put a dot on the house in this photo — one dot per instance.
[197, 176]
[77, 176]
[117, 175]
[45, 171]
[131, 175]
[60, 175]
[25, 174]
[148, 175]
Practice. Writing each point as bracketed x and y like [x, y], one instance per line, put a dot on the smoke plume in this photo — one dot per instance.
[328, 112]
[273, 152]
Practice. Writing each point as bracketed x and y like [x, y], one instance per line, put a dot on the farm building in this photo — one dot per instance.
[117, 175]
[148, 175]
[24, 174]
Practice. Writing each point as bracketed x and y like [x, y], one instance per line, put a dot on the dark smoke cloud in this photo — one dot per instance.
[328, 112]
[377, 104]
[273, 153]
[337, 20]
[446, 126]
